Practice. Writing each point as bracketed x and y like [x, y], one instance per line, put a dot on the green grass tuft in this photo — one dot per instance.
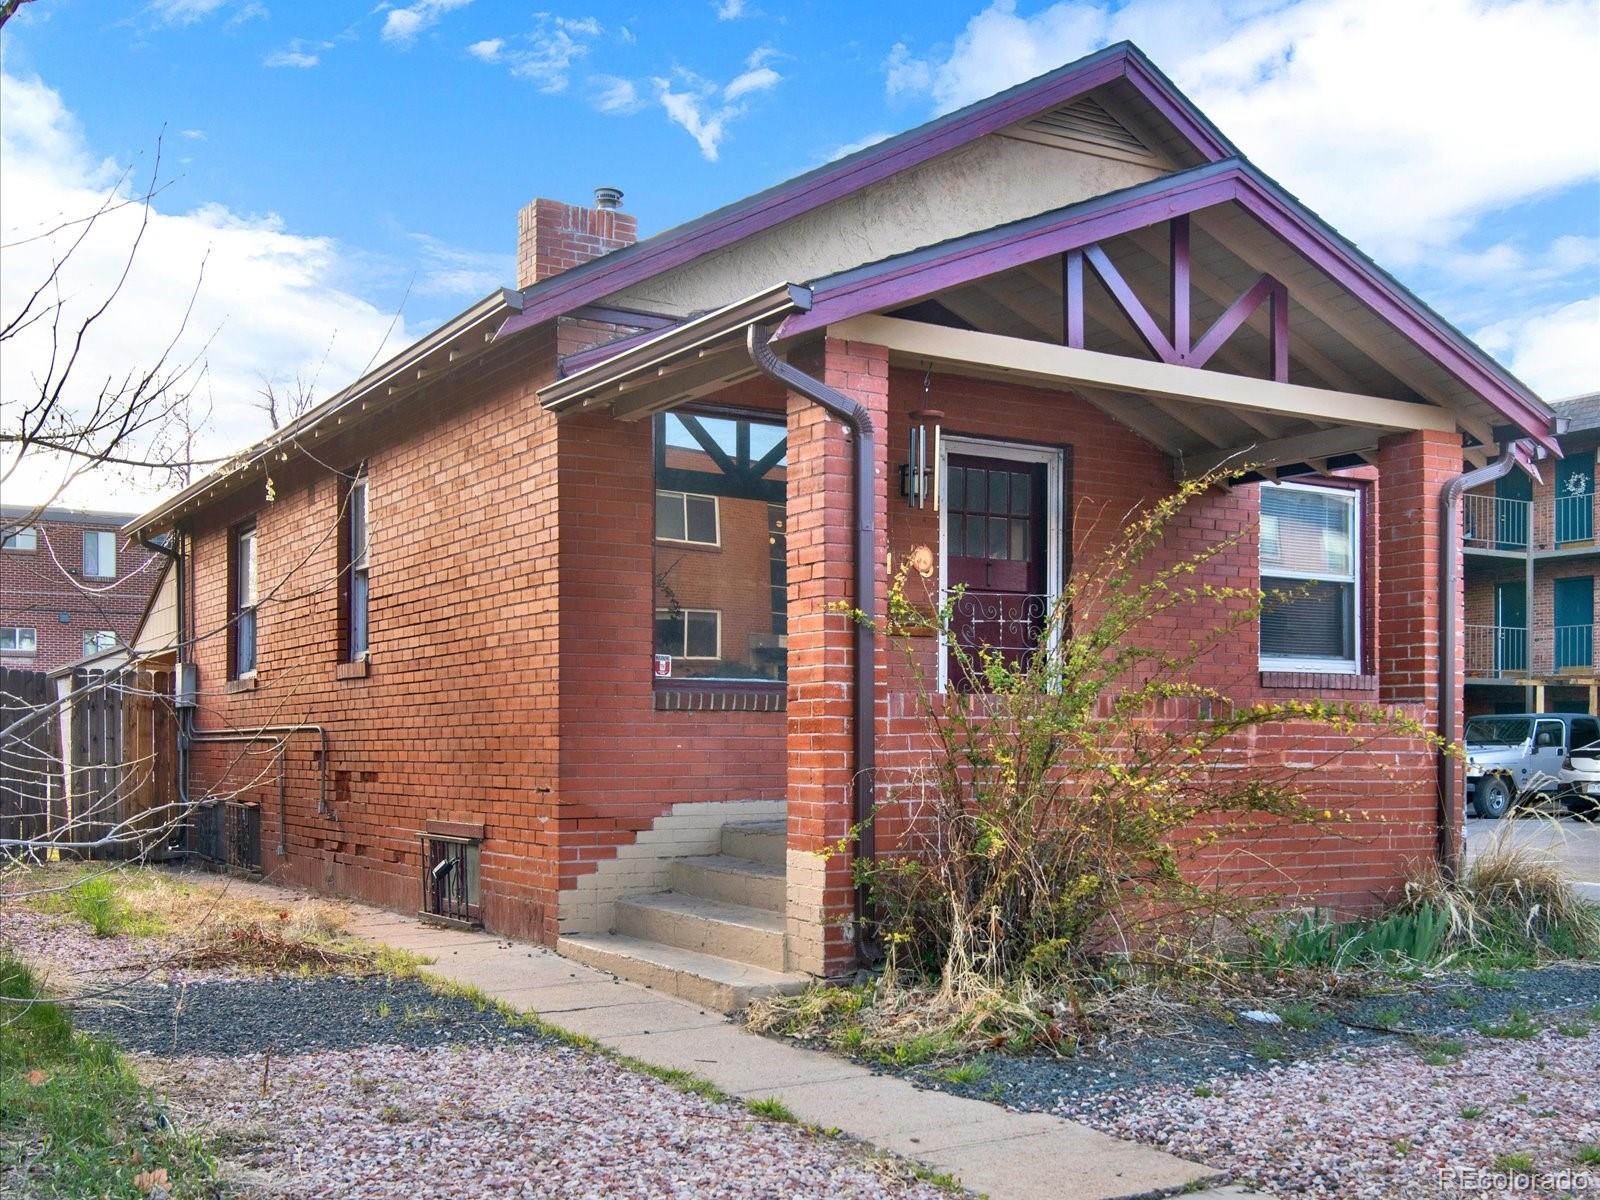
[73, 1100]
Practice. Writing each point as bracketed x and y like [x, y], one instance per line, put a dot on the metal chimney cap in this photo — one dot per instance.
[607, 197]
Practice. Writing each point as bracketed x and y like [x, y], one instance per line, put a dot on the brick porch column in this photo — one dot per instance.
[1413, 469]
[821, 646]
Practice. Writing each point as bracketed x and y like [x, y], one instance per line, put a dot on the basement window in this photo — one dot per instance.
[19, 639]
[450, 879]
[1310, 573]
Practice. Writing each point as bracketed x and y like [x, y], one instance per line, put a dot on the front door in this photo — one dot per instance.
[1510, 626]
[1513, 496]
[996, 551]
[1575, 498]
[1574, 618]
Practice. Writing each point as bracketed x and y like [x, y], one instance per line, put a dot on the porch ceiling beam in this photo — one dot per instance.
[1071, 366]
[1122, 410]
[1197, 418]
[1368, 345]
[1227, 353]
[1330, 373]
[1304, 447]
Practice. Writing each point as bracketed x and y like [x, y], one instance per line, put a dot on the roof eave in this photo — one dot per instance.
[693, 336]
[491, 309]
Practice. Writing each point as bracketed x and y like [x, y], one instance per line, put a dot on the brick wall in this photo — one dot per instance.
[455, 719]
[1111, 472]
[553, 237]
[39, 586]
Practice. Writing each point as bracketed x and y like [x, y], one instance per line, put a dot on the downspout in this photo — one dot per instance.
[864, 694]
[1449, 848]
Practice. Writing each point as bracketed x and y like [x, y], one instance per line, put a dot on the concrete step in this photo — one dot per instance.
[735, 880]
[760, 841]
[716, 983]
[736, 931]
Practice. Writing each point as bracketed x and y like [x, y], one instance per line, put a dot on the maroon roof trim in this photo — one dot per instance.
[622, 268]
[921, 273]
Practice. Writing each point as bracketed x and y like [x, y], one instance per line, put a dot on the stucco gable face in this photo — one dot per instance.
[990, 181]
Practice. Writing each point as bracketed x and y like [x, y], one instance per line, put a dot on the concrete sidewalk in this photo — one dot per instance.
[1006, 1155]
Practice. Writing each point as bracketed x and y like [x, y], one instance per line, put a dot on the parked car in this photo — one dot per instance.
[1582, 796]
[1515, 756]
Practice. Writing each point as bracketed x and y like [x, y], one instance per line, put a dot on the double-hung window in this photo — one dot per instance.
[242, 590]
[1311, 577]
[356, 585]
[99, 553]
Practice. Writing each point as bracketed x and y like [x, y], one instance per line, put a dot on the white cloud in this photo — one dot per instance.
[1555, 349]
[402, 25]
[184, 12]
[849, 148]
[193, 135]
[545, 55]
[451, 271]
[704, 110]
[1401, 123]
[299, 53]
[270, 301]
[614, 95]
[729, 10]
[760, 79]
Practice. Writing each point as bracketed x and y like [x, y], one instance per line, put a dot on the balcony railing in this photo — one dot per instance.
[1496, 650]
[1573, 648]
[1493, 523]
[1574, 519]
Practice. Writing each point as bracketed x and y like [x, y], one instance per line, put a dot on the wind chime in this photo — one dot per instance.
[920, 477]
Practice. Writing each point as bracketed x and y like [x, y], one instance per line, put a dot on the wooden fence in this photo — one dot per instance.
[123, 760]
[32, 798]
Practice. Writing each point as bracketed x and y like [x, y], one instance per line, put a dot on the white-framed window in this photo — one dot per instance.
[356, 549]
[96, 640]
[99, 553]
[243, 589]
[689, 632]
[688, 517]
[1311, 574]
[18, 639]
[26, 538]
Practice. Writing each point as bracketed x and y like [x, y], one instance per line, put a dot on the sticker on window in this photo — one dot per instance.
[663, 666]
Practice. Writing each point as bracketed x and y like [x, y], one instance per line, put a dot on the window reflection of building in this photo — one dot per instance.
[721, 568]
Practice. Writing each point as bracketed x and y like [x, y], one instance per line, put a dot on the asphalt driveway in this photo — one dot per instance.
[1575, 843]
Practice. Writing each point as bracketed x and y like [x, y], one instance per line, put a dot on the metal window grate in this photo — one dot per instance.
[228, 832]
[450, 879]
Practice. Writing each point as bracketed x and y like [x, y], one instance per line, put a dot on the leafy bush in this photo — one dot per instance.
[1072, 791]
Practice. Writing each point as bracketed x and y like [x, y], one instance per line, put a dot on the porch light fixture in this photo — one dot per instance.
[919, 477]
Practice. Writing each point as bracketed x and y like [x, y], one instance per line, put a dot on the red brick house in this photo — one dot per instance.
[70, 585]
[539, 609]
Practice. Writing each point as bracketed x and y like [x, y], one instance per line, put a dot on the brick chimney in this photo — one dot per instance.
[553, 237]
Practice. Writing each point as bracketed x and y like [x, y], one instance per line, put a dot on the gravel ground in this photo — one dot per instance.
[1341, 1112]
[325, 1087]
[1379, 1123]
[1211, 1046]
[478, 1121]
[292, 1015]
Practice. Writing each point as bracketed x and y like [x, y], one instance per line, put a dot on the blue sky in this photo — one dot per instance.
[336, 160]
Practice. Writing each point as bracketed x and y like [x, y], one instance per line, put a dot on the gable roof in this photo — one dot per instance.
[619, 269]
[908, 277]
